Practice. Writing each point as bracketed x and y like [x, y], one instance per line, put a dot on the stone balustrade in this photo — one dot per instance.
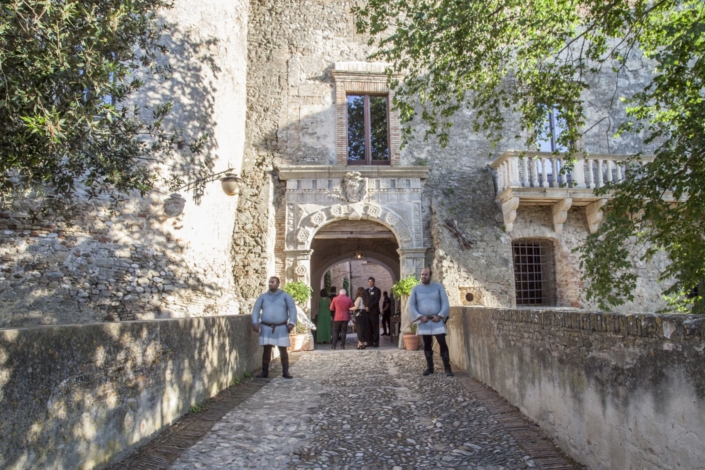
[536, 178]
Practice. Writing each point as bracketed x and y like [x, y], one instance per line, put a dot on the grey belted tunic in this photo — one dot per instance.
[274, 308]
[427, 300]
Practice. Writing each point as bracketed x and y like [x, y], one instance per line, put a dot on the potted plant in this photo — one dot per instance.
[401, 291]
[300, 337]
[411, 340]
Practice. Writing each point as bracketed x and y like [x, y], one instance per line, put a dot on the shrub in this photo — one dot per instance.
[299, 290]
[404, 286]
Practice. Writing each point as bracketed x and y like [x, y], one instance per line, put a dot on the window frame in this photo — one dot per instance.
[368, 131]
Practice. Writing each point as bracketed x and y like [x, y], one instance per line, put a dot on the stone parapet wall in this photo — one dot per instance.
[77, 396]
[613, 390]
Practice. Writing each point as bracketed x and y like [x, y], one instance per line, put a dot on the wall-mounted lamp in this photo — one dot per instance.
[230, 184]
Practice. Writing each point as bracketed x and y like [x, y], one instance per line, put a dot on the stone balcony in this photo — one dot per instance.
[534, 178]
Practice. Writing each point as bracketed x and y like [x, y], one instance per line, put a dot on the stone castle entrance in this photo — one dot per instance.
[330, 209]
[374, 203]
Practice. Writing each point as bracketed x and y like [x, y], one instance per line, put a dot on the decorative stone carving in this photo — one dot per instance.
[174, 205]
[355, 213]
[374, 211]
[318, 218]
[301, 270]
[391, 219]
[354, 186]
[594, 214]
[337, 210]
[560, 213]
[509, 210]
[304, 235]
[405, 234]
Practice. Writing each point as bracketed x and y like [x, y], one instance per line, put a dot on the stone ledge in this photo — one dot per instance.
[339, 171]
[657, 326]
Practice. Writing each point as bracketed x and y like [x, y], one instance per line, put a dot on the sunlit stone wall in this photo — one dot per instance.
[77, 396]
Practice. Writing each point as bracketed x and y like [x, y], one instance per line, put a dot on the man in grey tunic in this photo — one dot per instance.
[273, 317]
[428, 304]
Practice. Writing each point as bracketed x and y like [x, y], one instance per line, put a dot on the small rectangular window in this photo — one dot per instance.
[534, 272]
[368, 130]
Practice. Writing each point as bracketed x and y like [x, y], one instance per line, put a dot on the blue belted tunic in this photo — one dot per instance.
[274, 308]
[428, 300]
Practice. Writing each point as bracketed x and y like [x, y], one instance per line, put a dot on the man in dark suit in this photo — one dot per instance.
[373, 297]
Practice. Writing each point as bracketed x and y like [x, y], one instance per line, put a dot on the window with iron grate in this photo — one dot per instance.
[534, 272]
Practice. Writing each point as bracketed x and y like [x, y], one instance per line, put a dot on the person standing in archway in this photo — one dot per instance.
[340, 306]
[361, 320]
[429, 306]
[324, 318]
[386, 314]
[373, 297]
[273, 317]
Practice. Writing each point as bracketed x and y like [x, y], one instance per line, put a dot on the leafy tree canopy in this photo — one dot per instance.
[68, 71]
[501, 57]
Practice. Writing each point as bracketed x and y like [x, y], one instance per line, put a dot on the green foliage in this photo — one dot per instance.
[301, 328]
[404, 286]
[346, 286]
[196, 409]
[299, 290]
[234, 381]
[247, 375]
[303, 324]
[502, 58]
[328, 281]
[68, 74]
[412, 328]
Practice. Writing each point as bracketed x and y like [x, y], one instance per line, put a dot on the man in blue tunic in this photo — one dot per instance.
[428, 304]
[273, 317]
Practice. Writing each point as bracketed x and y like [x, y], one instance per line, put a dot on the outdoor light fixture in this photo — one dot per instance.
[358, 253]
[230, 184]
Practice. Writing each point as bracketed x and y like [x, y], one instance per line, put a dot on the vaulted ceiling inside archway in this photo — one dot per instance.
[339, 240]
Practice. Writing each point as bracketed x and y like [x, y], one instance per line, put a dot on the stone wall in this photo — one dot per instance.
[614, 391]
[292, 99]
[78, 396]
[155, 256]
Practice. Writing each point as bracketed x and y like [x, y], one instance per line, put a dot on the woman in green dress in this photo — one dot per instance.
[323, 326]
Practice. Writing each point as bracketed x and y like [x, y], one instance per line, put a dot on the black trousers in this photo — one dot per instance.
[386, 322]
[362, 327]
[373, 326]
[340, 327]
[267, 355]
[428, 343]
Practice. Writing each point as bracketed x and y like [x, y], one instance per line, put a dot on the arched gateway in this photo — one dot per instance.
[318, 196]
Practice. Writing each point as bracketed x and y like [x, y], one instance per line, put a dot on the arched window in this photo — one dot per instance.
[534, 272]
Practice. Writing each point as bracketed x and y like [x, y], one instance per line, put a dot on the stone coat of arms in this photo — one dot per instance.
[354, 187]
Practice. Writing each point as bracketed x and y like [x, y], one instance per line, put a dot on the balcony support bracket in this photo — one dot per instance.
[509, 210]
[560, 214]
[594, 214]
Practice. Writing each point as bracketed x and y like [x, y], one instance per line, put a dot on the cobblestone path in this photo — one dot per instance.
[367, 409]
